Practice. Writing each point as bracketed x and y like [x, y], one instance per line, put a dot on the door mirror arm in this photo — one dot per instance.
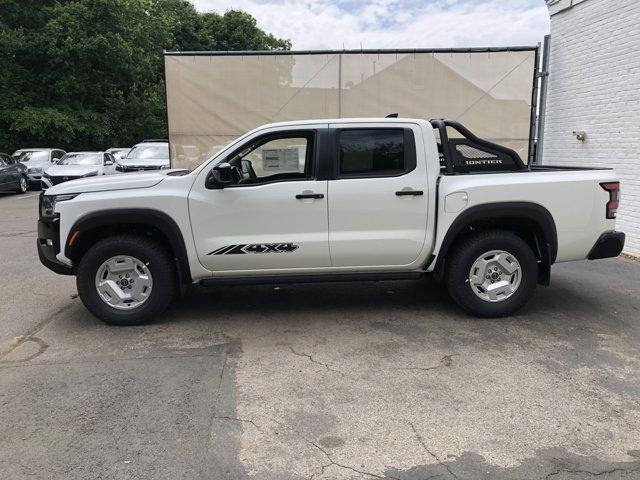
[219, 176]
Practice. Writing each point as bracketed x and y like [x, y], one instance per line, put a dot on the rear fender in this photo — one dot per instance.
[504, 215]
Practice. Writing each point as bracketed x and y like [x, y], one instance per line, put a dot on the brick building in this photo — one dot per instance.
[594, 87]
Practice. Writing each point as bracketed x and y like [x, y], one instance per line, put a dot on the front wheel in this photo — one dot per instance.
[126, 280]
[492, 273]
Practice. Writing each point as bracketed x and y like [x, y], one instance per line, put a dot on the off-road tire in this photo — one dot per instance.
[149, 252]
[462, 257]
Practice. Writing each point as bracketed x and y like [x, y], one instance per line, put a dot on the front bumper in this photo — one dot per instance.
[610, 244]
[34, 178]
[49, 246]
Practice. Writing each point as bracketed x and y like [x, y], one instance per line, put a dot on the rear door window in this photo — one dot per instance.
[375, 152]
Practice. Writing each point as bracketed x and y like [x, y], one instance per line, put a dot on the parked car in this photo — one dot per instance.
[76, 165]
[331, 200]
[118, 153]
[13, 175]
[148, 155]
[37, 160]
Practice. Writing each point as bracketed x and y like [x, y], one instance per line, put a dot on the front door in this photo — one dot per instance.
[274, 214]
[378, 205]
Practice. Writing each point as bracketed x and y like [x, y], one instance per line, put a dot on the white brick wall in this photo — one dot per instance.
[594, 85]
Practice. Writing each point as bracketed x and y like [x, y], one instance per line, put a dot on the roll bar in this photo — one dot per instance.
[472, 153]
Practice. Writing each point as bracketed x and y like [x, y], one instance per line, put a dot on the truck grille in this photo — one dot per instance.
[137, 168]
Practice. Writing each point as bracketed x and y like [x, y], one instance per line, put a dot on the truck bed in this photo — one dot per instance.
[573, 197]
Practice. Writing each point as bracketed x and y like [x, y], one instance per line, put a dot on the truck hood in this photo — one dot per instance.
[103, 183]
[73, 170]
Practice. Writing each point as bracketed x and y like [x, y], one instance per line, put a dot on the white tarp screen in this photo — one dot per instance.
[214, 98]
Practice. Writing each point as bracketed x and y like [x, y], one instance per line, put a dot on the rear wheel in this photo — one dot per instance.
[126, 280]
[491, 274]
[22, 184]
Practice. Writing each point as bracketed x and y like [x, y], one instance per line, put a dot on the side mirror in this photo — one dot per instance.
[219, 176]
[108, 162]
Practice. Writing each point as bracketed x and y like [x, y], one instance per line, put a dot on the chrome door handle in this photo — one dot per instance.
[309, 195]
[406, 193]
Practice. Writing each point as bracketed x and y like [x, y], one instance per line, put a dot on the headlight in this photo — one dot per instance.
[165, 167]
[90, 174]
[48, 203]
[46, 175]
[120, 168]
[34, 170]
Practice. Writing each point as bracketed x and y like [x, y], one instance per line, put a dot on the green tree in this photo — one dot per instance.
[88, 74]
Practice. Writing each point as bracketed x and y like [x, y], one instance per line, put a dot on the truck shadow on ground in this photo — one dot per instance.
[425, 298]
[329, 297]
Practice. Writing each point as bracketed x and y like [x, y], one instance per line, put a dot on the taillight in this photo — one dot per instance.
[614, 197]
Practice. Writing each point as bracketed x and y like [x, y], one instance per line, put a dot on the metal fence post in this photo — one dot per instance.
[544, 80]
[340, 85]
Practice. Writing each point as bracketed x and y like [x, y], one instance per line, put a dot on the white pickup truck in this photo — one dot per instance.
[330, 200]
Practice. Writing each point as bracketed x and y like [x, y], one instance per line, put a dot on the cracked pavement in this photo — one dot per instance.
[343, 381]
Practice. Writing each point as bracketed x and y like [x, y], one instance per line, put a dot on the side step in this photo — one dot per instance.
[315, 278]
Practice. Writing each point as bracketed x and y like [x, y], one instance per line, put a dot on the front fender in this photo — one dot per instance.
[138, 217]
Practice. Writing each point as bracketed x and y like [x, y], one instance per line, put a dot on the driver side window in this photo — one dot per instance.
[274, 158]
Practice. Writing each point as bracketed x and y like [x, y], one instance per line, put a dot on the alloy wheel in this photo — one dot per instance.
[495, 276]
[124, 282]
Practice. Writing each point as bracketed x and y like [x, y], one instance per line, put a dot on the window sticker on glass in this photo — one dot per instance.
[277, 160]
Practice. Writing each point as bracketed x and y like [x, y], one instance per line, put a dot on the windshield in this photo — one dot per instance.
[156, 152]
[81, 159]
[31, 156]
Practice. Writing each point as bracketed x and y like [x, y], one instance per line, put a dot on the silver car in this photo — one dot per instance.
[78, 165]
[118, 153]
[148, 155]
[37, 160]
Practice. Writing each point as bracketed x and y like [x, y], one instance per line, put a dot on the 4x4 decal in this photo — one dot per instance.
[255, 248]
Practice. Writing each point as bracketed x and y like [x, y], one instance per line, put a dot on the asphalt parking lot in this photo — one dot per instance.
[341, 381]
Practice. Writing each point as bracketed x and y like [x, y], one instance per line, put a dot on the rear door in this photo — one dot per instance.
[378, 202]
[274, 215]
